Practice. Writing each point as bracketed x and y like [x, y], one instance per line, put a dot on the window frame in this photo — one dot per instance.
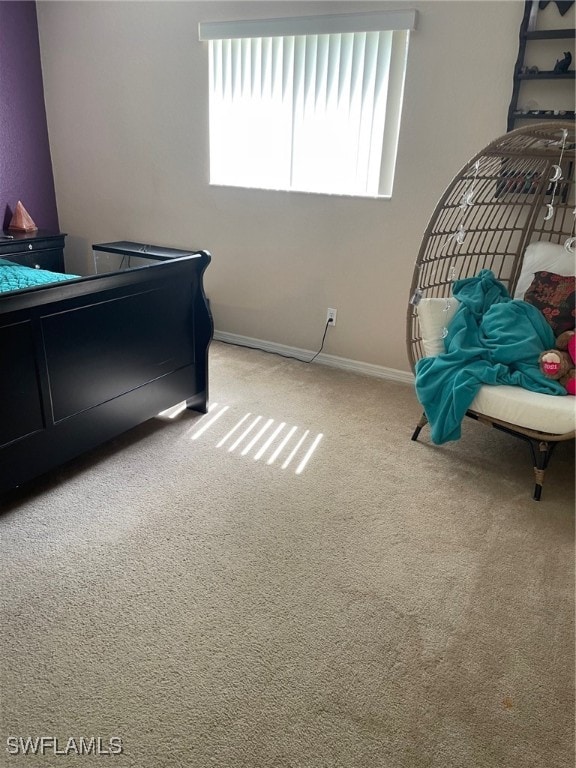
[399, 23]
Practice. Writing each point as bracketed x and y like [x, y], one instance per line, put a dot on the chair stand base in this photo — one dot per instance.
[422, 423]
[542, 451]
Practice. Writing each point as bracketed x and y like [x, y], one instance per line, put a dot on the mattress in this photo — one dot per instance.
[14, 277]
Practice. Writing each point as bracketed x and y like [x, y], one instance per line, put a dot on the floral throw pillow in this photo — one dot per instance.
[554, 296]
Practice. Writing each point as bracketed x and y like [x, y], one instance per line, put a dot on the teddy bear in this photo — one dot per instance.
[560, 363]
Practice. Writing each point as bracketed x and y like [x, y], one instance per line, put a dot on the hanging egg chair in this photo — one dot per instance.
[510, 210]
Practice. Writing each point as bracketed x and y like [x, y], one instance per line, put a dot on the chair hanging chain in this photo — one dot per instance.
[570, 244]
[556, 177]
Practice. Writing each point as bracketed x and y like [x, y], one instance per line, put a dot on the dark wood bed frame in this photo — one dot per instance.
[84, 360]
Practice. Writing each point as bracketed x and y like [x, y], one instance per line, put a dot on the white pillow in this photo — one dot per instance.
[543, 257]
[435, 315]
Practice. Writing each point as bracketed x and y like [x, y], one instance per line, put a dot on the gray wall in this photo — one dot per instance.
[127, 95]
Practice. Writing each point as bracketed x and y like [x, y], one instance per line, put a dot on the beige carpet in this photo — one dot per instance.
[393, 605]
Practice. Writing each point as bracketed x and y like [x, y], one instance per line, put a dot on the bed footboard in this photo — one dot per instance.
[85, 360]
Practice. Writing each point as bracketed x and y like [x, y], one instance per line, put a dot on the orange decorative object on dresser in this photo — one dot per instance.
[21, 221]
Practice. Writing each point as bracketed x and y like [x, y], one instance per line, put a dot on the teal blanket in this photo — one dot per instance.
[492, 339]
[14, 277]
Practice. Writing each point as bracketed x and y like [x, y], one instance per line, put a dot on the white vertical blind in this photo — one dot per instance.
[250, 113]
[305, 112]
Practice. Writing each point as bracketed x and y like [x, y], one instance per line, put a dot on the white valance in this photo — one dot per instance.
[376, 21]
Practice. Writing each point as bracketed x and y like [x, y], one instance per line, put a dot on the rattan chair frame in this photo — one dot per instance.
[502, 200]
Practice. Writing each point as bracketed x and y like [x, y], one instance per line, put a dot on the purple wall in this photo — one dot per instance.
[25, 163]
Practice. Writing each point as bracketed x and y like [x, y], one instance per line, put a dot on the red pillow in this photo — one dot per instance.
[554, 296]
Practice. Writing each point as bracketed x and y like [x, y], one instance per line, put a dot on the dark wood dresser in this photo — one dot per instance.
[43, 249]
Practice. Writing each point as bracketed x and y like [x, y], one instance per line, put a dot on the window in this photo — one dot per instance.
[309, 104]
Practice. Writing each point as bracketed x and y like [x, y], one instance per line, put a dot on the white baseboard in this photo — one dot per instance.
[356, 366]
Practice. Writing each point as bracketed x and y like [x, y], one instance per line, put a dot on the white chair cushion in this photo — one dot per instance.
[543, 257]
[555, 414]
[434, 315]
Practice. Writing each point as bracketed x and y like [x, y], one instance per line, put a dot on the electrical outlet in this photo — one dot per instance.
[331, 316]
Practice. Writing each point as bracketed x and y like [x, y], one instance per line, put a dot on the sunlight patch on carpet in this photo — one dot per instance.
[258, 438]
[173, 411]
[207, 424]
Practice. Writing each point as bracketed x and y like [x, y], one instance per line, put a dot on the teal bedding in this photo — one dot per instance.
[14, 277]
[492, 339]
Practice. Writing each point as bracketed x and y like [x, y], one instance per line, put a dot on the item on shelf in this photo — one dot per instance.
[562, 65]
[528, 70]
[562, 5]
[21, 220]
